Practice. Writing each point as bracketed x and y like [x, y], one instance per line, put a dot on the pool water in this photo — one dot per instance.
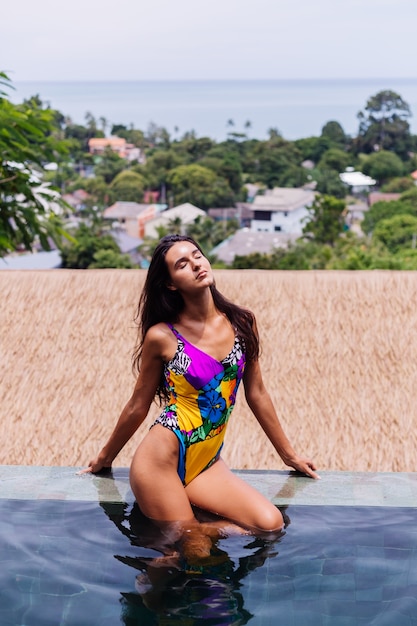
[84, 563]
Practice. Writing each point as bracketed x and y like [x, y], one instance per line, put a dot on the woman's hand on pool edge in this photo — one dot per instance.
[305, 466]
[95, 466]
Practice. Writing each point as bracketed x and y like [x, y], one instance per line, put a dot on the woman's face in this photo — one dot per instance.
[188, 268]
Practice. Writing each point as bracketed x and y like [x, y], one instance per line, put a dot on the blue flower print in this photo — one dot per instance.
[211, 405]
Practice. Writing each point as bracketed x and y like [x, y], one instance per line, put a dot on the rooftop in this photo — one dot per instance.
[245, 242]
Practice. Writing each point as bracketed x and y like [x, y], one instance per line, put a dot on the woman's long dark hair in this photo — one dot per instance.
[157, 304]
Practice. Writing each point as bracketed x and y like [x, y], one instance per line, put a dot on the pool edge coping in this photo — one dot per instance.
[282, 487]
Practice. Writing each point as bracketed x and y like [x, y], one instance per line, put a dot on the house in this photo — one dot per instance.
[357, 181]
[185, 213]
[128, 245]
[282, 209]
[240, 212]
[131, 216]
[246, 241]
[125, 150]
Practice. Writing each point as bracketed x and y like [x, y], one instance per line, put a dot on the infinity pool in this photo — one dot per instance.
[79, 563]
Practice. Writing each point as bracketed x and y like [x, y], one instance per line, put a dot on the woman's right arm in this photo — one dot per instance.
[136, 409]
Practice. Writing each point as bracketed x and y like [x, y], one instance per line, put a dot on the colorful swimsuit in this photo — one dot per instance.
[202, 395]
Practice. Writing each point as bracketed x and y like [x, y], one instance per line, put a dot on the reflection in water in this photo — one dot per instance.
[171, 588]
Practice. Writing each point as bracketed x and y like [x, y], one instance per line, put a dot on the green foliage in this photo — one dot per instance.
[334, 132]
[397, 232]
[254, 260]
[29, 208]
[107, 258]
[398, 184]
[155, 170]
[127, 186]
[97, 188]
[132, 135]
[109, 165]
[406, 259]
[384, 124]
[382, 166]
[326, 220]
[386, 210]
[200, 186]
[272, 159]
[335, 159]
[313, 148]
[410, 197]
[329, 183]
[88, 242]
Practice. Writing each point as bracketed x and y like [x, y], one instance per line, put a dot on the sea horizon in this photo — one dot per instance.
[296, 107]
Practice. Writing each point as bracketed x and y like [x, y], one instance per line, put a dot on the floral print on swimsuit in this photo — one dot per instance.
[202, 395]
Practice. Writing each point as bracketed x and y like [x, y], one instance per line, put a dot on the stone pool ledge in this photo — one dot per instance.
[396, 489]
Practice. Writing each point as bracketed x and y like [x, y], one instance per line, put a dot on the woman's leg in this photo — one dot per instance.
[155, 483]
[161, 495]
[220, 491]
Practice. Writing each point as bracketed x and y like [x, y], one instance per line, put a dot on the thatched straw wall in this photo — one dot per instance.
[339, 357]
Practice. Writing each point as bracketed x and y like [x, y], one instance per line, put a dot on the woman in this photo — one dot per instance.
[194, 349]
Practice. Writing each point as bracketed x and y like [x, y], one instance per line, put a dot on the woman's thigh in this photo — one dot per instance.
[220, 491]
[154, 479]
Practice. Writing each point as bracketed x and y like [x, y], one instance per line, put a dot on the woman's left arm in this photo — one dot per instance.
[260, 403]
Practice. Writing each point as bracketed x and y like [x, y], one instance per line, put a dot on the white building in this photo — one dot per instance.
[357, 181]
[281, 209]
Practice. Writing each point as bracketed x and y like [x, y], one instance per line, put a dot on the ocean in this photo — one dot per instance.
[296, 108]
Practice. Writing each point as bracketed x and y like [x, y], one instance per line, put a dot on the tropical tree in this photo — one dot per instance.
[200, 186]
[29, 207]
[127, 186]
[109, 165]
[335, 159]
[88, 242]
[397, 232]
[384, 125]
[399, 184]
[326, 221]
[383, 165]
[333, 131]
[386, 210]
[329, 183]
[107, 258]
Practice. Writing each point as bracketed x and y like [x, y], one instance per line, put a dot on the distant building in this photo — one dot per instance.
[125, 150]
[357, 181]
[240, 212]
[77, 199]
[186, 213]
[128, 245]
[245, 241]
[281, 209]
[131, 216]
[379, 196]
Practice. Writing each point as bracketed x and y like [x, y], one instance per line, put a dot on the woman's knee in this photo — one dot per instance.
[268, 519]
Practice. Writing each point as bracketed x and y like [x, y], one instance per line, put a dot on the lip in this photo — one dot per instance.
[202, 274]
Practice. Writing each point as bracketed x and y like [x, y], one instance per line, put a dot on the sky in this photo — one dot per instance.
[213, 39]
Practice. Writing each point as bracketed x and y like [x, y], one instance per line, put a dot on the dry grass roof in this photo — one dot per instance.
[339, 358]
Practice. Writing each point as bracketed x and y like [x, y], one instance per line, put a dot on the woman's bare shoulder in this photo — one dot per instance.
[160, 339]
